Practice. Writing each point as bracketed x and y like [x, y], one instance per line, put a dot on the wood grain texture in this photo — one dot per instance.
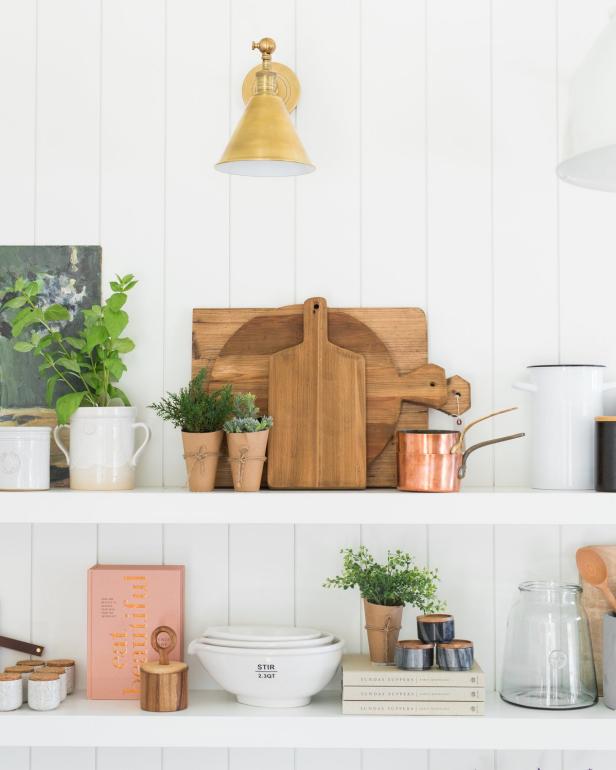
[596, 605]
[235, 345]
[317, 397]
[164, 687]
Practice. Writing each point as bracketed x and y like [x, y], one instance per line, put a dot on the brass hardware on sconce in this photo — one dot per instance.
[264, 142]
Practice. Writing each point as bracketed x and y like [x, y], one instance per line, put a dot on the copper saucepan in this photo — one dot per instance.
[435, 460]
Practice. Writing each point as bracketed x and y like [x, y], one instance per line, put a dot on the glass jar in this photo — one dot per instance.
[548, 661]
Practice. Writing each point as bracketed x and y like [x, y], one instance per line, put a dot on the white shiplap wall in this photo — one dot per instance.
[435, 128]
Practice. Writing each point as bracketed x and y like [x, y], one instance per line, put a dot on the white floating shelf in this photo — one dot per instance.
[168, 506]
[214, 719]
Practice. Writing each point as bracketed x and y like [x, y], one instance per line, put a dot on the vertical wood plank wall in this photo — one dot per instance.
[435, 126]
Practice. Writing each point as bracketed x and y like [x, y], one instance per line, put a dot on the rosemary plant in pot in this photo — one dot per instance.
[87, 368]
[200, 416]
[386, 589]
[247, 435]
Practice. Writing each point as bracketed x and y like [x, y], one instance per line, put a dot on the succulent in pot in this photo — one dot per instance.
[86, 367]
[247, 435]
[386, 589]
[200, 416]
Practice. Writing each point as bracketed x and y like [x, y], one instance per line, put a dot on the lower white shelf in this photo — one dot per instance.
[214, 719]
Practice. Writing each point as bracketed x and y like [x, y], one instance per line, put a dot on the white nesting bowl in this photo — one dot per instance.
[262, 633]
[318, 642]
[282, 678]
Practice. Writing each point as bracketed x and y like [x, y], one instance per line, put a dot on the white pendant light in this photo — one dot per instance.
[589, 146]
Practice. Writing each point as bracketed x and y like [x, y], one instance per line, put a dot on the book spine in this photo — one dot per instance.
[413, 708]
[398, 678]
[414, 693]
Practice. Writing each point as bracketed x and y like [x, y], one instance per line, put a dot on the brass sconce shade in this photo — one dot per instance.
[264, 142]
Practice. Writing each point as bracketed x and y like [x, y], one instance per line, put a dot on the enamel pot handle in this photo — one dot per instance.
[462, 468]
[148, 436]
[527, 386]
[58, 440]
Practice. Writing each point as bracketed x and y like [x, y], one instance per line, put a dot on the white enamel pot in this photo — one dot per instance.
[565, 401]
[102, 447]
[283, 678]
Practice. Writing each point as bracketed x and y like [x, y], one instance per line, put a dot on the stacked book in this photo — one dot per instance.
[369, 688]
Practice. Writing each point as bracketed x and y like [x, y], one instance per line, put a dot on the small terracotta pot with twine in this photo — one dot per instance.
[247, 456]
[383, 626]
[201, 452]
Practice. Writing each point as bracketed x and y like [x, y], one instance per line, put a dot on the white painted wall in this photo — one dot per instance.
[435, 128]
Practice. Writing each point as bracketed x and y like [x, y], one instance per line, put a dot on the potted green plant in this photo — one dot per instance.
[247, 435]
[200, 416]
[88, 367]
[386, 589]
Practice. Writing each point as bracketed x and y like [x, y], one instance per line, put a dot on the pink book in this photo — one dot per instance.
[125, 604]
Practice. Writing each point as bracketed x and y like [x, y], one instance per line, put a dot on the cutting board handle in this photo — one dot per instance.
[315, 321]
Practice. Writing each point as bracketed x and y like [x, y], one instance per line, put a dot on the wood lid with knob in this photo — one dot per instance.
[164, 683]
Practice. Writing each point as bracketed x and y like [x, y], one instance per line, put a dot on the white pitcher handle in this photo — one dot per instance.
[528, 386]
[148, 436]
[609, 385]
[58, 440]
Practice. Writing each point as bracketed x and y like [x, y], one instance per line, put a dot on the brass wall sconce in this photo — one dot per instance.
[264, 142]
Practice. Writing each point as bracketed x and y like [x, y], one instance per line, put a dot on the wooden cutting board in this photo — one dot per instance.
[317, 397]
[596, 605]
[235, 345]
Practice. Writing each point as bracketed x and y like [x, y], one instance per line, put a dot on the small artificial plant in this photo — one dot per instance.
[395, 583]
[193, 409]
[88, 364]
[246, 416]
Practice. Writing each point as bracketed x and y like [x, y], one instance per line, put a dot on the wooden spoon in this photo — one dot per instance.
[594, 570]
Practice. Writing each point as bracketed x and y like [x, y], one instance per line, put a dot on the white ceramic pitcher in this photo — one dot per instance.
[102, 452]
[566, 399]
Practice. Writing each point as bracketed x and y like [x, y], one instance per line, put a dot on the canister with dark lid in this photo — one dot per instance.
[605, 454]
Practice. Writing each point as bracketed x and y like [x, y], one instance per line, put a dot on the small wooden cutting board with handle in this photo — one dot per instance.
[317, 397]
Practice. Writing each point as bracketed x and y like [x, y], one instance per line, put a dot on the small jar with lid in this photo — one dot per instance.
[24, 672]
[11, 691]
[36, 663]
[61, 672]
[44, 692]
[69, 666]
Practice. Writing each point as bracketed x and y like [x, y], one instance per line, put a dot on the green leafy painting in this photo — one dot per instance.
[70, 276]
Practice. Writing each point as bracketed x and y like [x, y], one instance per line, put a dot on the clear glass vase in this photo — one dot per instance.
[548, 661]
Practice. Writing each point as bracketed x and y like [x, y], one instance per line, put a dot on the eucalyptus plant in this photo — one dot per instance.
[393, 584]
[89, 364]
[246, 417]
[193, 409]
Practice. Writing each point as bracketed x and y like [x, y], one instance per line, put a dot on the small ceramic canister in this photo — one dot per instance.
[61, 672]
[457, 655]
[24, 672]
[11, 692]
[24, 457]
[435, 628]
[44, 691]
[414, 655]
[69, 666]
[34, 662]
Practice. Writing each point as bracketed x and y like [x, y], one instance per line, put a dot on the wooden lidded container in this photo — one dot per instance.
[164, 683]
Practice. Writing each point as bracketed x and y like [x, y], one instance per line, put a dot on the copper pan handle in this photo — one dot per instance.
[459, 445]
[462, 468]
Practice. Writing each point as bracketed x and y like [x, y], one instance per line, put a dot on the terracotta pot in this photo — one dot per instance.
[201, 452]
[383, 627]
[247, 455]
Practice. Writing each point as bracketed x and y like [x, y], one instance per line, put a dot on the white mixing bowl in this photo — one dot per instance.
[275, 678]
[318, 642]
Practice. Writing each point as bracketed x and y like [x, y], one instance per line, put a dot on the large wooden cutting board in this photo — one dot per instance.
[596, 605]
[235, 345]
[317, 397]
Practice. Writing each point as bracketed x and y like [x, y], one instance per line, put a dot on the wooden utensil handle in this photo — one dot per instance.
[605, 590]
[16, 644]
[163, 641]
